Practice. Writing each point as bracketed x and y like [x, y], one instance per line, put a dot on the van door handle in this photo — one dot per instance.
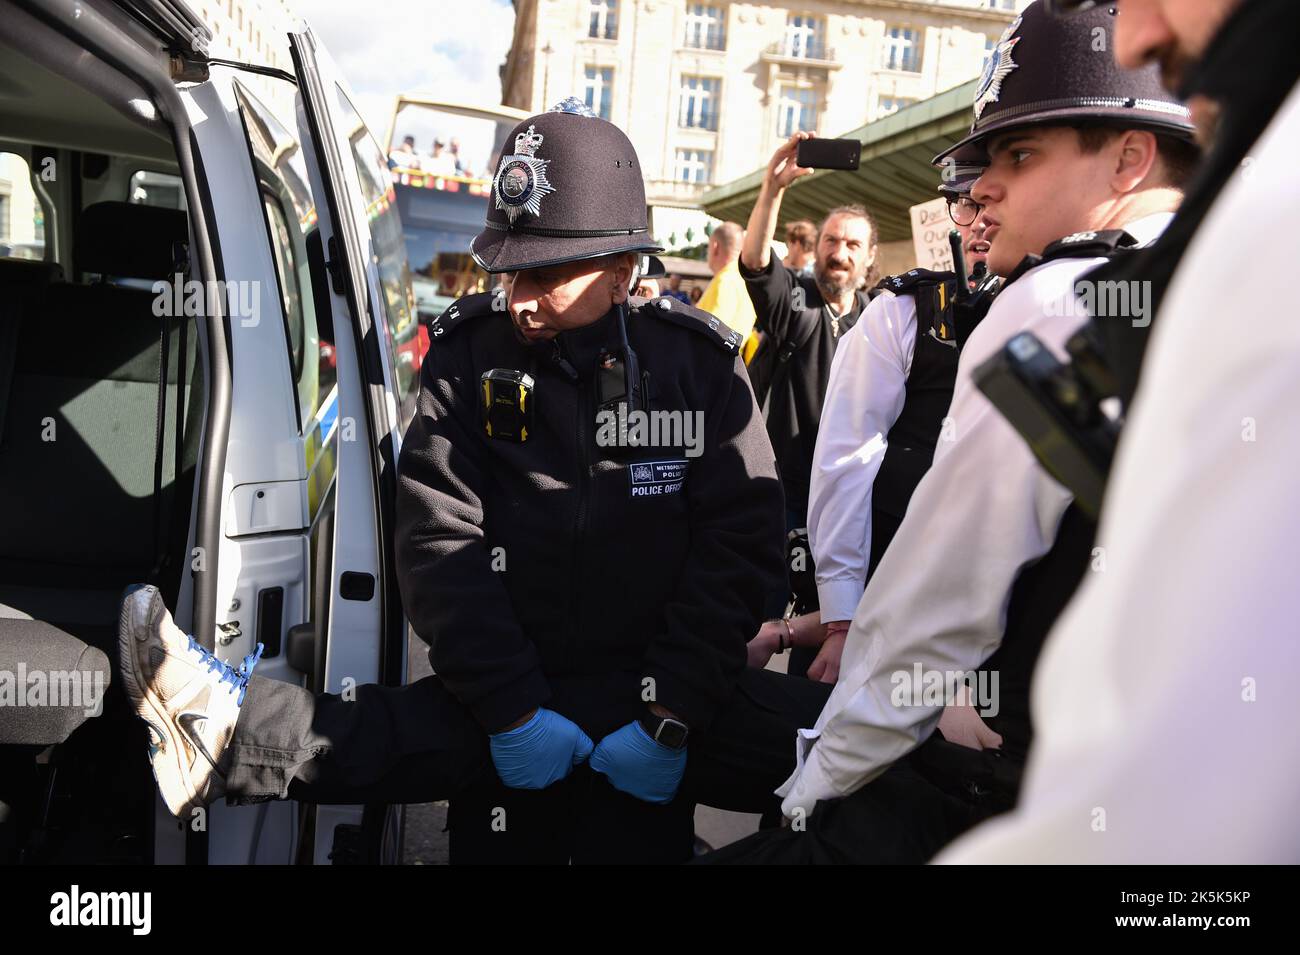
[300, 647]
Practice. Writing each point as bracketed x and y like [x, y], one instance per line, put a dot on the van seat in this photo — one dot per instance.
[78, 445]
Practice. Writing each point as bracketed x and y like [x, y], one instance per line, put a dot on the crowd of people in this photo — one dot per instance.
[988, 664]
[444, 159]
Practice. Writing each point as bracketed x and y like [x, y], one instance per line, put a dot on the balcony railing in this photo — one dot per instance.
[675, 190]
[717, 43]
[815, 53]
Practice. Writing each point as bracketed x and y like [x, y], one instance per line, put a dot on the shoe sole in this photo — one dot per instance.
[162, 722]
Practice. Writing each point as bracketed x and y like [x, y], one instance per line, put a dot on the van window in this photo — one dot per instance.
[149, 188]
[22, 220]
[400, 326]
[290, 212]
[287, 273]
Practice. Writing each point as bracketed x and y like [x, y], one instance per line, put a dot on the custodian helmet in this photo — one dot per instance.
[568, 187]
[1061, 71]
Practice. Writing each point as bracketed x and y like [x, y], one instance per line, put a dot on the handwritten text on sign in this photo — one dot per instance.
[930, 228]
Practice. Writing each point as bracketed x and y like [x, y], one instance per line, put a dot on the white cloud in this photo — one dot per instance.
[450, 49]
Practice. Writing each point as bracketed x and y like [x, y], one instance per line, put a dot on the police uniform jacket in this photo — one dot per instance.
[556, 572]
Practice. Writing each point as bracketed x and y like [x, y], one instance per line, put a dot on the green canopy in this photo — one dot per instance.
[894, 175]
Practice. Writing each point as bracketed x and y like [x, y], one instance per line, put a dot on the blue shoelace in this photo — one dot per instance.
[237, 677]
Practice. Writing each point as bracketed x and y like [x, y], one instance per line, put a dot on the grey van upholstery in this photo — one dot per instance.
[77, 519]
[78, 677]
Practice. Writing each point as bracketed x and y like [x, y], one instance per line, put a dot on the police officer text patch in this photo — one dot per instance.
[657, 478]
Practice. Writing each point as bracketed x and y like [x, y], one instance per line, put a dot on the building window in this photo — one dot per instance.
[598, 89]
[796, 110]
[892, 104]
[902, 50]
[148, 188]
[803, 37]
[694, 165]
[699, 103]
[604, 20]
[22, 218]
[704, 27]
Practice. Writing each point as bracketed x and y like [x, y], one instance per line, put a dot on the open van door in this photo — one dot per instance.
[360, 637]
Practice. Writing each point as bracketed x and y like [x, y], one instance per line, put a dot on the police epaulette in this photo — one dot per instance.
[935, 293]
[907, 281]
[465, 308]
[688, 316]
[1084, 245]
[1081, 245]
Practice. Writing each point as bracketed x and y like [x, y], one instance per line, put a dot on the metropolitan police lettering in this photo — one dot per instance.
[521, 183]
[657, 478]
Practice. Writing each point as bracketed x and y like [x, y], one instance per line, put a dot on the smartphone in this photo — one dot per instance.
[828, 153]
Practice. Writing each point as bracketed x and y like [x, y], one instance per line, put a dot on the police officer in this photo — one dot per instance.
[589, 517]
[631, 565]
[990, 548]
[1195, 613]
[889, 389]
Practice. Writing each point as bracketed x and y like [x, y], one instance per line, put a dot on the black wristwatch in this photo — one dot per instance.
[666, 730]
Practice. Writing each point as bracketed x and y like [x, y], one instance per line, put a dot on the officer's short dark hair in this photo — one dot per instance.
[1180, 157]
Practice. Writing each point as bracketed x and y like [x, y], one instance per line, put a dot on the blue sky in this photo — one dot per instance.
[451, 49]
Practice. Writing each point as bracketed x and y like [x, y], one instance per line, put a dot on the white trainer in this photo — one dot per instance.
[188, 698]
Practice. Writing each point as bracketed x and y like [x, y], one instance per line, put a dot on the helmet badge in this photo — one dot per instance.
[521, 182]
[997, 69]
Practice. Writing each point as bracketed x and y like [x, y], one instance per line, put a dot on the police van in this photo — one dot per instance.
[198, 389]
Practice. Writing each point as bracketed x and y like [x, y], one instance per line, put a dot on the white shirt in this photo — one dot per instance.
[442, 165]
[981, 513]
[1142, 700]
[864, 398]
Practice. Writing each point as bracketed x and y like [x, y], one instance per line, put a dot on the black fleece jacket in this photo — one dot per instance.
[539, 568]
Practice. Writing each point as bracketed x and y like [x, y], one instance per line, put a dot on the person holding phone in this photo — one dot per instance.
[889, 389]
[799, 323]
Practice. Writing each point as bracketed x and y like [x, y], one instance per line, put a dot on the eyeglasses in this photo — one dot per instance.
[964, 210]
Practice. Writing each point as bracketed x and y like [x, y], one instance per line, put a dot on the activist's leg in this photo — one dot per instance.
[749, 749]
[220, 731]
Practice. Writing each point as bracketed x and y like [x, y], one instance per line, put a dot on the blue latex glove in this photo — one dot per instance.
[639, 766]
[541, 752]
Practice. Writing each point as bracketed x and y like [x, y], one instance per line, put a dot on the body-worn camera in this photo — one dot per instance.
[506, 404]
[1058, 410]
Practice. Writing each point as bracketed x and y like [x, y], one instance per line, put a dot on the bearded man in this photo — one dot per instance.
[800, 322]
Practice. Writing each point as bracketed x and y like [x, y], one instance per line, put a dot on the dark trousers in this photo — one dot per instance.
[419, 744]
[899, 818]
